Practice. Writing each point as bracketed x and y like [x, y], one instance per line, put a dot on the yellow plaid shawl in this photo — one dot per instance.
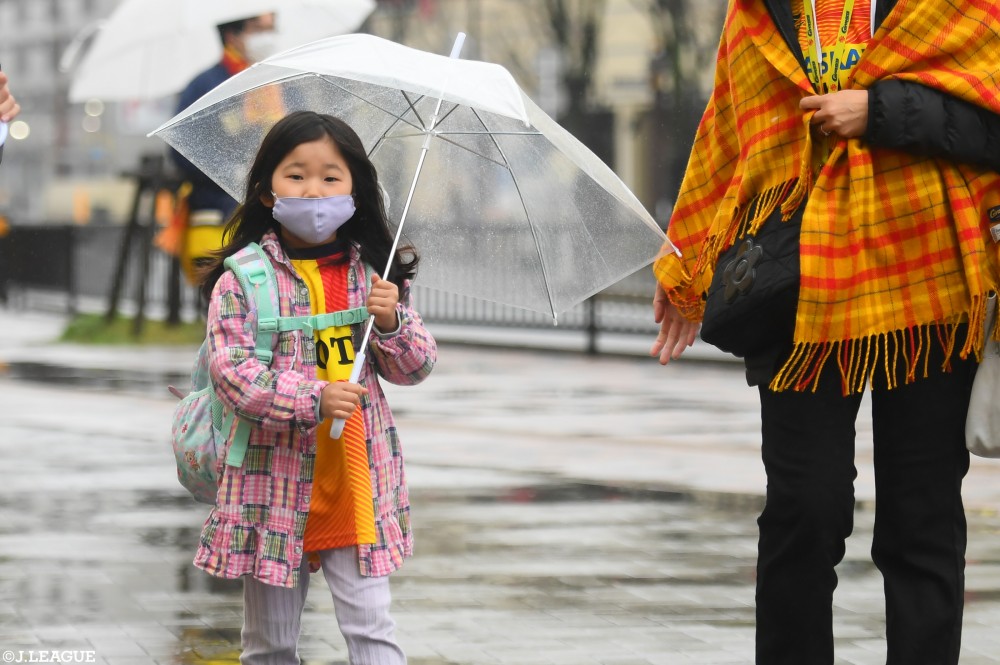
[891, 243]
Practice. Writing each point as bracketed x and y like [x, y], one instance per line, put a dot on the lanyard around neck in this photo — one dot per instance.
[832, 78]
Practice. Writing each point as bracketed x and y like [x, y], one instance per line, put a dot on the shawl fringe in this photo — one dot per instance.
[900, 356]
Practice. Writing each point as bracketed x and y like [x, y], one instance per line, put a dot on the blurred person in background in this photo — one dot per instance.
[202, 206]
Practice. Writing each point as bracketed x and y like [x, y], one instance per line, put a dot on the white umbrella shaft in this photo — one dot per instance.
[359, 359]
[337, 429]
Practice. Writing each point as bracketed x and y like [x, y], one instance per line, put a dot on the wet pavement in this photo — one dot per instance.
[568, 511]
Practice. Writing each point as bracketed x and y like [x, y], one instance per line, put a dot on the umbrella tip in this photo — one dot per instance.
[456, 48]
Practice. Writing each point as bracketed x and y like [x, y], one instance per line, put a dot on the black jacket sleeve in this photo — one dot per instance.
[924, 121]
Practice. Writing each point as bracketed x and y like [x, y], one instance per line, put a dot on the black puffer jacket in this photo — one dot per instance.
[924, 121]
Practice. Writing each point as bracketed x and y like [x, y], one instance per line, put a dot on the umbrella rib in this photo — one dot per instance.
[503, 164]
[385, 138]
[381, 140]
[397, 118]
[489, 133]
[469, 133]
[393, 114]
[445, 116]
[531, 226]
[413, 108]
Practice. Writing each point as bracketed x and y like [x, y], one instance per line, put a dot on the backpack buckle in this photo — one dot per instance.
[267, 324]
[356, 315]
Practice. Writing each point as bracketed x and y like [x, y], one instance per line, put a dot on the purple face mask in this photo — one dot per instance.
[313, 220]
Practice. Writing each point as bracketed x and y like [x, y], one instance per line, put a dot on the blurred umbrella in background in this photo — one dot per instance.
[148, 49]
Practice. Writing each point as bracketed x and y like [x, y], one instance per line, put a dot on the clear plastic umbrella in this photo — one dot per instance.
[501, 202]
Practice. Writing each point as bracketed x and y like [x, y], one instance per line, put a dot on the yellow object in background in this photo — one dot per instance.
[202, 239]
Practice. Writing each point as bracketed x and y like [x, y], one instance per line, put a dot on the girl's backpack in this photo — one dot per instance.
[202, 426]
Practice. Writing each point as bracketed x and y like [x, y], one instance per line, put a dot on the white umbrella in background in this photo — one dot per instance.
[147, 49]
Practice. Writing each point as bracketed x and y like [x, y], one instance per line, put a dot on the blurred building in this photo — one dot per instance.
[64, 161]
[645, 90]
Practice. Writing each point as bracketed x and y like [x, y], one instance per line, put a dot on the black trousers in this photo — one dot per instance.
[920, 530]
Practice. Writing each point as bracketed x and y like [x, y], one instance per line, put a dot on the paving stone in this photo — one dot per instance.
[568, 511]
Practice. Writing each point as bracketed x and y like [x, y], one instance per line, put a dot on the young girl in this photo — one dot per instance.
[303, 501]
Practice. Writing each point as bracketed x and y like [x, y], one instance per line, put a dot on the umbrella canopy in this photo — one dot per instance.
[509, 207]
[153, 48]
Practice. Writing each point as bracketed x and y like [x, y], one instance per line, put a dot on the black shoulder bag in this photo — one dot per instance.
[750, 305]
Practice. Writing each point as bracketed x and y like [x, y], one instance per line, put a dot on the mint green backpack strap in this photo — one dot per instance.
[310, 324]
[256, 276]
[369, 271]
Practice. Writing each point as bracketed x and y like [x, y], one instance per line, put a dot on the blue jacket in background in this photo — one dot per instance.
[205, 194]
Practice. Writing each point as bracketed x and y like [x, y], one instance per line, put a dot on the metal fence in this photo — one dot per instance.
[73, 267]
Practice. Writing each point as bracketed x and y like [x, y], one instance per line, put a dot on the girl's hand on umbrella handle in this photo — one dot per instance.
[676, 332]
[383, 296]
[339, 399]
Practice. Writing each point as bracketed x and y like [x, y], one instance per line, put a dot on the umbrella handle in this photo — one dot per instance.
[337, 429]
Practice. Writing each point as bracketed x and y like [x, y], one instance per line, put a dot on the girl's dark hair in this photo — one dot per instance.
[369, 227]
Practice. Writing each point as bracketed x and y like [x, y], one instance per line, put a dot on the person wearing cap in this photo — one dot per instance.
[202, 205]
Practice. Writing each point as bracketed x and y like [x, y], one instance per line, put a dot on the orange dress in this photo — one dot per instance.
[341, 510]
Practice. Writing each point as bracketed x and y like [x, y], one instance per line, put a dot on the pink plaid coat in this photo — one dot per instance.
[259, 519]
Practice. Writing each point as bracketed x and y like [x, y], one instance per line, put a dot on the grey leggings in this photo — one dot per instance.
[272, 615]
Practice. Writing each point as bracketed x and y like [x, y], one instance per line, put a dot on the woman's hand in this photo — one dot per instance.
[844, 113]
[339, 399]
[676, 332]
[9, 108]
[383, 296]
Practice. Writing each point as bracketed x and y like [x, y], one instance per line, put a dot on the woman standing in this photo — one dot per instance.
[876, 125]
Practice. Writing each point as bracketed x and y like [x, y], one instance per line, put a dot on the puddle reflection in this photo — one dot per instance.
[206, 646]
[117, 380]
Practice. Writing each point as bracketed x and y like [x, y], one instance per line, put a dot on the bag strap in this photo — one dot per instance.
[256, 276]
[310, 324]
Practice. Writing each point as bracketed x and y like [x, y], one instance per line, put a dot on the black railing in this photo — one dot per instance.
[39, 257]
[78, 263]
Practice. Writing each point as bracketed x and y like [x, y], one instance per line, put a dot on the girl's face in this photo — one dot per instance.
[312, 170]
